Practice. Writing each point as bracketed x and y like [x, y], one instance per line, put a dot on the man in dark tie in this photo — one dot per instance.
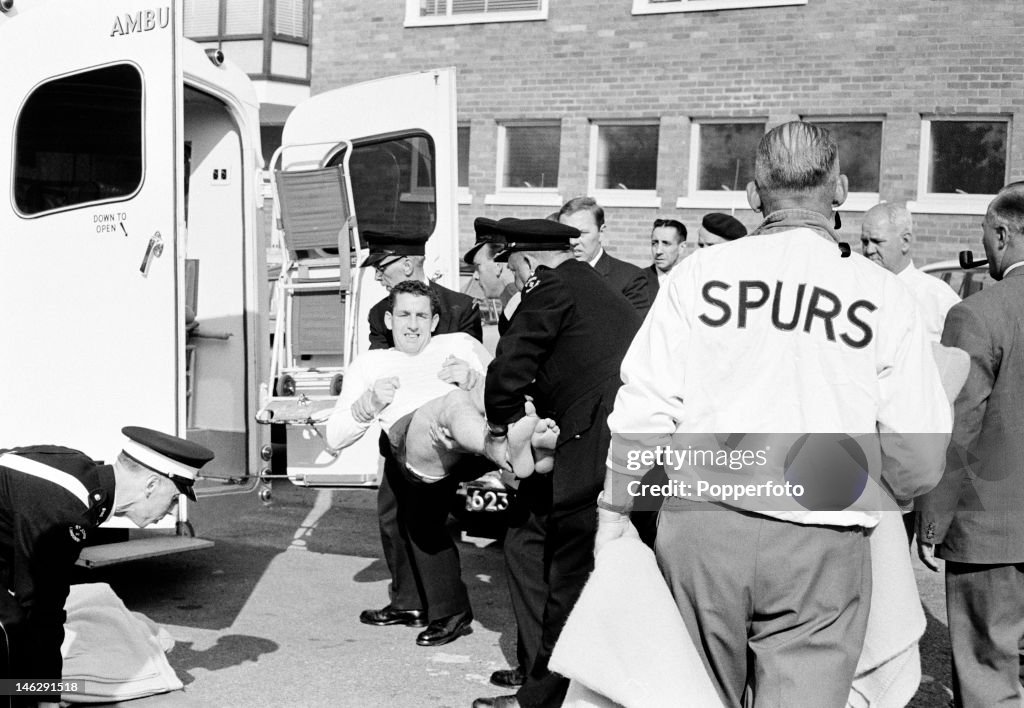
[973, 518]
[586, 215]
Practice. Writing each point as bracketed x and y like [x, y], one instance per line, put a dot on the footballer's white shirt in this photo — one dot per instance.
[417, 377]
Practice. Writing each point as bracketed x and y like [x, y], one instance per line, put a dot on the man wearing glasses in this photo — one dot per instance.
[419, 568]
[668, 239]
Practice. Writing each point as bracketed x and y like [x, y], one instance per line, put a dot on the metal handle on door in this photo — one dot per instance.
[154, 250]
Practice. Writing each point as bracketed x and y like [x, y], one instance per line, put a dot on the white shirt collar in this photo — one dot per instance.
[595, 259]
[1016, 265]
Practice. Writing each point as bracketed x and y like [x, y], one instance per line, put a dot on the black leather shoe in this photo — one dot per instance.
[446, 629]
[508, 678]
[391, 615]
[497, 702]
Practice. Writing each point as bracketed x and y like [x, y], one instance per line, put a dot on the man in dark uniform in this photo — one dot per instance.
[50, 498]
[426, 576]
[560, 349]
[586, 215]
[489, 242]
[397, 257]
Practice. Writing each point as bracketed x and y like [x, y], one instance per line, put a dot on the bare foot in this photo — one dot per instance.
[544, 439]
[519, 451]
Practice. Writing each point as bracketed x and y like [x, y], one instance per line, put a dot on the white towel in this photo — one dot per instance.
[112, 654]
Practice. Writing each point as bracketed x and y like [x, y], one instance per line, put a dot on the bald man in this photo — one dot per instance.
[887, 238]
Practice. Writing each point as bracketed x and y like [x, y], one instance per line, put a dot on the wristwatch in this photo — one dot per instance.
[497, 430]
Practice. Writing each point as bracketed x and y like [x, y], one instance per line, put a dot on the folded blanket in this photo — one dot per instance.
[110, 652]
[626, 641]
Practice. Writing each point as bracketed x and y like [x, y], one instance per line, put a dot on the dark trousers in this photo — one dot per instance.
[985, 612]
[419, 551]
[549, 556]
[776, 610]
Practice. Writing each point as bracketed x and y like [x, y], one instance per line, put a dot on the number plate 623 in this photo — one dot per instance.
[486, 500]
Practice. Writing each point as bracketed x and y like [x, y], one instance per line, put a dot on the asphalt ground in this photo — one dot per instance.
[269, 615]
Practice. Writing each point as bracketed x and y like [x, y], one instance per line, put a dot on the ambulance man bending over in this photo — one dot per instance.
[777, 333]
[426, 393]
[51, 498]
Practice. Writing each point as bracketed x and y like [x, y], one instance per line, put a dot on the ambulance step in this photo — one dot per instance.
[113, 553]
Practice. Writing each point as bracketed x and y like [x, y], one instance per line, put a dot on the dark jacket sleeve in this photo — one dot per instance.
[380, 335]
[637, 291]
[44, 555]
[522, 349]
[470, 323]
[964, 330]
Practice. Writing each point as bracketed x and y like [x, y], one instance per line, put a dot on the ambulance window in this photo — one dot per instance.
[79, 140]
[393, 184]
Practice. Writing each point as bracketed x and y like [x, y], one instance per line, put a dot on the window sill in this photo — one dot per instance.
[463, 195]
[444, 20]
[524, 198]
[969, 204]
[859, 201]
[639, 199]
[714, 200]
[644, 7]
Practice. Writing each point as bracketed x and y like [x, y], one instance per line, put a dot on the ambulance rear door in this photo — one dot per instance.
[403, 174]
[89, 222]
[403, 166]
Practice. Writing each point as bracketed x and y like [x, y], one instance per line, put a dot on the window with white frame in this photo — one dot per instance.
[623, 167]
[962, 162]
[655, 7]
[860, 157]
[528, 155]
[721, 162]
[454, 12]
[527, 164]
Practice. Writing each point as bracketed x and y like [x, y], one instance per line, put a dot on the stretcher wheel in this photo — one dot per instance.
[286, 386]
[336, 382]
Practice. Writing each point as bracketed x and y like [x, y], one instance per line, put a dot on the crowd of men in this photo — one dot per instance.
[777, 331]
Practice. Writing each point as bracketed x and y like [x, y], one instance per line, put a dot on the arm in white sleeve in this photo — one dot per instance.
[914, 418]
[342, 428]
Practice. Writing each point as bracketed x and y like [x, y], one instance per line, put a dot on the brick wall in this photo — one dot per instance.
[592, 60]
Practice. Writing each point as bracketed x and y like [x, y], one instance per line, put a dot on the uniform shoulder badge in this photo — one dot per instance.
[531, 283]
[77, 533]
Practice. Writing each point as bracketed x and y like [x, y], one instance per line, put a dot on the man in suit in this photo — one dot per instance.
[559, 349]
[587, 216]
[973, 518]
[426, 576]
[668, 239]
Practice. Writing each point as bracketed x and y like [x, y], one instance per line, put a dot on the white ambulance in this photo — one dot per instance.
[133, 270]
